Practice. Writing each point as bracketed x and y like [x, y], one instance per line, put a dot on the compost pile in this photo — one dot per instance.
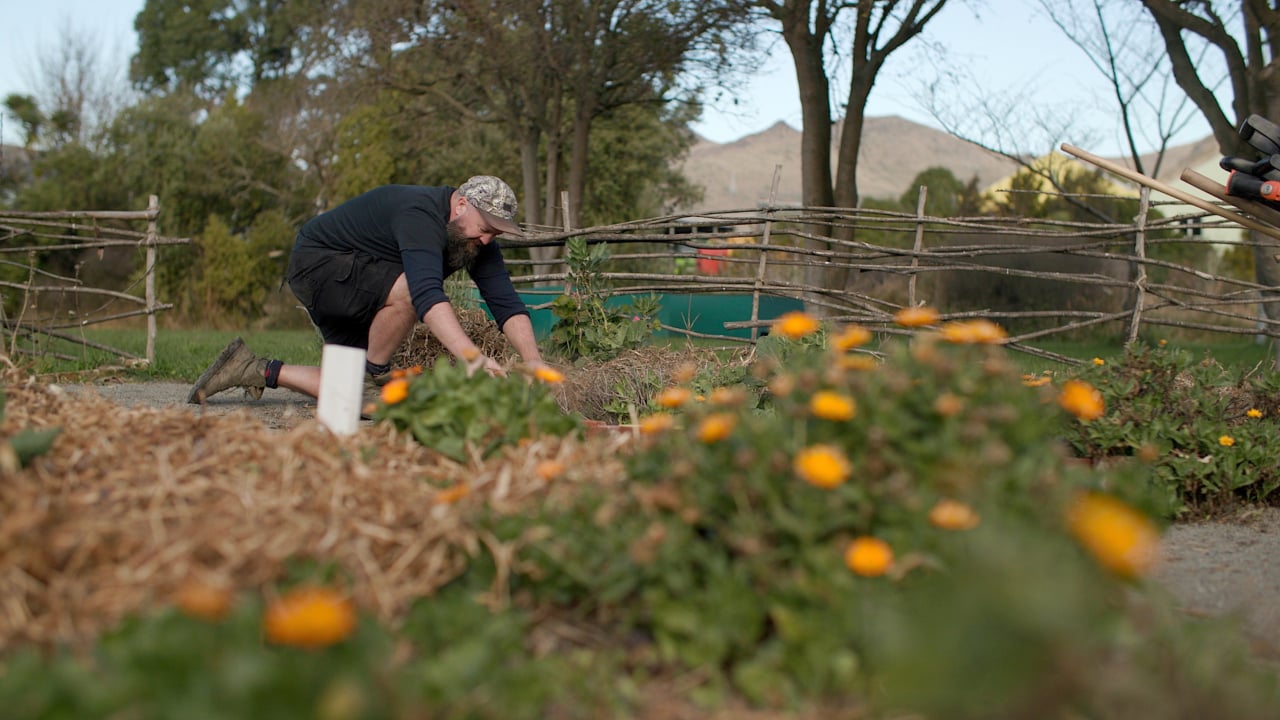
[129, 505]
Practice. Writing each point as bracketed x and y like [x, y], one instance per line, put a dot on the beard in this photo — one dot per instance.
[461, 250]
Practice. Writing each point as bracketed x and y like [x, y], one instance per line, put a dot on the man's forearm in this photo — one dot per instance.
[443, 323]
[519, 330]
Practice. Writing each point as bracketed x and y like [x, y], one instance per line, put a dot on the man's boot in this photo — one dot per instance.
[237, 366]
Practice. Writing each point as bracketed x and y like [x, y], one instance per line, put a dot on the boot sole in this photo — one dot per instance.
[197, 395]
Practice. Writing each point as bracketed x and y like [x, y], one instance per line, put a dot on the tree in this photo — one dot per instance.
[878, 28]
[1249, 59]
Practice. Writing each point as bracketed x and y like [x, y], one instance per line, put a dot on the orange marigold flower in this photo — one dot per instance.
[398, 373]
[795, 325]
[550, 469]
[1254, 413]
[673, 397]
[1036, 381]
[1120, 538]
[948, 404]
[850, 337]
[1082, 400]
[782, 385]
[1099, 361]
[727, 396]
[715, 427]
[686, 372]
[395, 391]
[656, 423]
[549, 375]
[916, 316]
[1163, 342]
[310, 617]
[823, 466]
[859, 361]
[1226, 441]
[869, 556]
[973, 332]
[832, 406]
[953, 515]
[451, 495]
[203, 601]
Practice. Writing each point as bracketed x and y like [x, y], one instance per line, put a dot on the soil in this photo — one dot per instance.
[1228, 566]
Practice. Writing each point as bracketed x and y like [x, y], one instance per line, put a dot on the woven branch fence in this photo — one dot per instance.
[846, 265]
[41, 305]
[1105, 275]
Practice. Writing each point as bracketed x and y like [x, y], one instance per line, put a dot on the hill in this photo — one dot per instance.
[737, 175]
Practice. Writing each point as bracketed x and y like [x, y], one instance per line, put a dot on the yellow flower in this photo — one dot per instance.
[916, 316]
[309, 617]
[859, 361]
[1082, 400]
[1034, 381]
[1120, 538]
[395, 391]
[656, 423]
[1226, 441]
[850, 337]
[823, 466]
[869, 556]
[973, 332]
[1163, 342]
[549, 375]
[550, 469]
[673, 397]
[948, 404]
[795, 325]
[953, 515]
[832, 406]
[715, 427]
[203, 601]
[1254, 413]
[1099, 361]
[451, 495]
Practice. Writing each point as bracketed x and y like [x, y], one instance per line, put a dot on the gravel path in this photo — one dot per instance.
[1217, 568]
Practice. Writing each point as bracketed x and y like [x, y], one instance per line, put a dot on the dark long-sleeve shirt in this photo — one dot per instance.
[405, 224]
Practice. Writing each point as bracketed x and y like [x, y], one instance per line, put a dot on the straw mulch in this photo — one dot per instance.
[131, 504]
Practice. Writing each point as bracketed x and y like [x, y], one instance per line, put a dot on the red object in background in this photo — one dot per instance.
[708, 264]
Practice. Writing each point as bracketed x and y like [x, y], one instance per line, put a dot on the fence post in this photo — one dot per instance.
[1140, 253]
[764, 254]
[917, 246]
[153, 212]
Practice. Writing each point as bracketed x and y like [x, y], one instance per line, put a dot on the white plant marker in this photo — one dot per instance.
[341, 388]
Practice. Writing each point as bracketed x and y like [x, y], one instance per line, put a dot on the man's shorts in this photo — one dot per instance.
[342, 291]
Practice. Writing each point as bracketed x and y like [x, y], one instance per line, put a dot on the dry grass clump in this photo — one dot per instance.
[422, 348]
[632, 378]
[129, 505]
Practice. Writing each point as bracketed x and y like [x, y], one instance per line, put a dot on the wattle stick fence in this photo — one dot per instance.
[1047, 281]
[41, 303]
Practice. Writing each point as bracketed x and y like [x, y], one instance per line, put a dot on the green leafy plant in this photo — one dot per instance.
[20, 448]
[1207, 432]
[586, 325]
[456, 412]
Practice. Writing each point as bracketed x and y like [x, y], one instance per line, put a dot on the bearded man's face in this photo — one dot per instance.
[462, 249]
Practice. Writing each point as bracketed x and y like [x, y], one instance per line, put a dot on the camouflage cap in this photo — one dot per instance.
[494, 199]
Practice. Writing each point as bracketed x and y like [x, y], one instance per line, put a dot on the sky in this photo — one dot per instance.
[1009, 45]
